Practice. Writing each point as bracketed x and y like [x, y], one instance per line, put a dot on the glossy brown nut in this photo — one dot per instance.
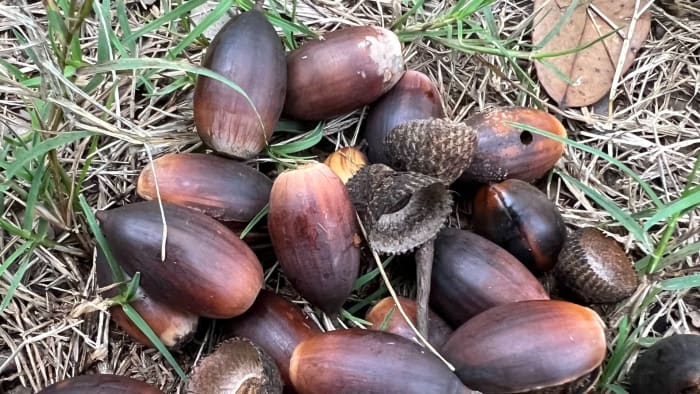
[438, 330]
[274, 324]
[519, 217]
[345, 162]
[527, 345]
[346, 70]
[314, 232]
[506, 152]
[472, 274]
[173, 326]
[102, 384]
[414, 97]
[595, 267]
[671, 365]
[207, 270]
[248, 52]
[371, 362]
[221, 188]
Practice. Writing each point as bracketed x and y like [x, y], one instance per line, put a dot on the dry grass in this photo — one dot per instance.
[56, 326]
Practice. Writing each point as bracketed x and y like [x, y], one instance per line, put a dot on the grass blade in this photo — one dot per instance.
[680, 284]
[691, 200]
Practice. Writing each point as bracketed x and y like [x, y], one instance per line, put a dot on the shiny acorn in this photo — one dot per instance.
[472, 274]
[102, 384]
[507, 152]
[527, 345]
[224, 189]
[345, 162]
[315, 234]
[207, 270]
[413, 97]
[248, 52]
[343, 71]
[370, 362]
[671, 365]
[519, 217]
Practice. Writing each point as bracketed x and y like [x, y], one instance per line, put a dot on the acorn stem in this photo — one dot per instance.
[424, 267]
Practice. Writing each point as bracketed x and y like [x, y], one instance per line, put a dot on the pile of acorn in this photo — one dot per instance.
[490, 317]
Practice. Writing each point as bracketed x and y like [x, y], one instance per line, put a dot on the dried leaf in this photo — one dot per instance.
[591, 70]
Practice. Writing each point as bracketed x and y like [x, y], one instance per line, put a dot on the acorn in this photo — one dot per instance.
[248, 52]
[276, 325]
[207, 270]
[224, 189]
[173, 326]
[527, 345]
[315, 234]
[595, 268]
[385, 316]
[236, 366]
[506, 152]
[371, 362]
[102, 384]
[342, 71]
[519, 217]
[671, 365]
[345, 162]
[472, 274]
[413, 97]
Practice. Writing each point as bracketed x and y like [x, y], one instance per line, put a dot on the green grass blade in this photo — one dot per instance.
[14, 283]
[117, 273]
[19, 252]
[344, 313]
[168, 17]
[691, 200]
[307, 141]
[557, 28]
[369, 276]
[616, 389]
[33, 195]
[212, 16]
[681, 283]
[255, 220]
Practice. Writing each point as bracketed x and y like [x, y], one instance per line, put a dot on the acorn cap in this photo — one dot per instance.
[400, 210]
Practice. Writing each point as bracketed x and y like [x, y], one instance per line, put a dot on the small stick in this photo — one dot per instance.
[424, 268]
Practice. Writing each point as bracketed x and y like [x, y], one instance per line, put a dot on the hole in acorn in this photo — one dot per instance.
[526, 137]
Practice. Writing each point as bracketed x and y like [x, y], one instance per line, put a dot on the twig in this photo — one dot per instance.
[424, 268]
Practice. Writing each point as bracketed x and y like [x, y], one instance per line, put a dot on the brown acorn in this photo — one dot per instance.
[671, 365]
[527, 345]
[413, 97]
[248, 52]
[370, 362]
[472, 274]
[385, 316]
[506, 152]
[315, 234]
[595, 267]
[207, 270]
[173, 326]
[221, 188]
[343, 71]
[519, 217]
[236, 366]
[274, 324]
[345, 162]
[102, 384]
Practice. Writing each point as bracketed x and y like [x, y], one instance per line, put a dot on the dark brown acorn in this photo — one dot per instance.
[315, 234]
[274, 324]
[506, 152]
[345, 162]
[221, 188]
[369, 362]
[413, 97]
[236, 366]
[100, 384]
[344, 71]
[207, 269]
[385, 316]
[472, 274]
[248, 52]
[173, 326]
[527, 345]
[671, 365]
[519, 217]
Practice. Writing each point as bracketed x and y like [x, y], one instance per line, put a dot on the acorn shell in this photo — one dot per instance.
[248, 52]
[671, 365]
[221, 188]
[345, 162]
[506, 152]
[343, 71]
[207, 270]
[595, 267]
[100, 384]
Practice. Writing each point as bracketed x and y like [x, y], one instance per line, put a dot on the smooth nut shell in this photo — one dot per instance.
[505, 152]
[527, 345]
[221, 188]
[671, 365]
[315, 234]
[345, 162]
[100, 384]
[472, 274]
[344, 71]
[207, 270]
[369, 362]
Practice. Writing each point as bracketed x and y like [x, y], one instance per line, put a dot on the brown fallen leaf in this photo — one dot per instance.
[591, 70]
